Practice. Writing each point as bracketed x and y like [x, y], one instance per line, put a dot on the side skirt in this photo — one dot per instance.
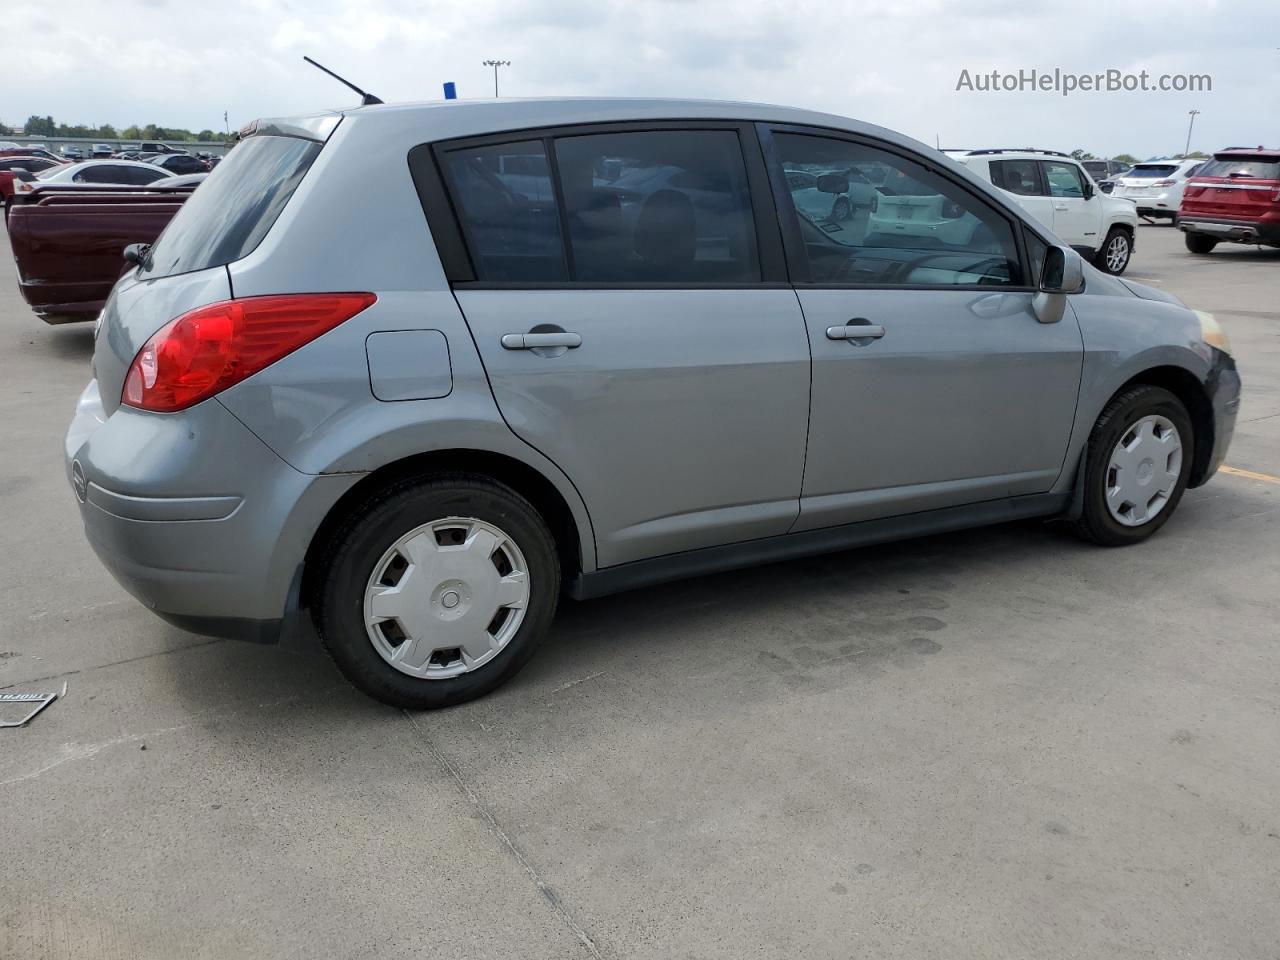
[696, 563]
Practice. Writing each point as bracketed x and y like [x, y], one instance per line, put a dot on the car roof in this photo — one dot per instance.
[447, 119]
[85, 164]
[1263, 153]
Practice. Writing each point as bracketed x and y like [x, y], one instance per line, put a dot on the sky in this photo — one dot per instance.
[892, 62]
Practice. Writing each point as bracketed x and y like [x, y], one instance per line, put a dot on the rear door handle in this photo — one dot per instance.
[531, 341]
[856, 331]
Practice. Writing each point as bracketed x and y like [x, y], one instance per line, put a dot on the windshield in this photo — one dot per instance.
[1153, 170]
[1241, 167]
[234, 208]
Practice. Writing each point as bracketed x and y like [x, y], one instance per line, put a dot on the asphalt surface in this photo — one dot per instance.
[1001, 743]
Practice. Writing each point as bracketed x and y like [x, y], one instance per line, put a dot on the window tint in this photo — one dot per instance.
[1152, 171]
[1244, 167]
[1016, 176]
[1063, 179]
[913, 227]
[234, 208]
[509, 218]
[663, 206]
[103, 173]
[1036, 250]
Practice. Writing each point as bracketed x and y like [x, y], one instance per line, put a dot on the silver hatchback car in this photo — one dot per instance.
[418, 371]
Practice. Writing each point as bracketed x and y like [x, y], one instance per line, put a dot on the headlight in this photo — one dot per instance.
[1211, 332]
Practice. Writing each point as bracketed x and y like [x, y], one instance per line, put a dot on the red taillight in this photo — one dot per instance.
[1164, 183]
[209, 349]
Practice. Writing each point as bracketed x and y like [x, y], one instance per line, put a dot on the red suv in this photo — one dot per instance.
[1235, 196]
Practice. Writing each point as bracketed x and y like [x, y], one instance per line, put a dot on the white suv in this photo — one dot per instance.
[1059, 192]
[1156, 186]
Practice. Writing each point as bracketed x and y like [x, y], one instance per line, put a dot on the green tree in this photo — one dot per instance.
[4, 131]
[1082, 154]
[1125, 158]
[40, 127]
[206, 135]
[132, 133]
[107, 132]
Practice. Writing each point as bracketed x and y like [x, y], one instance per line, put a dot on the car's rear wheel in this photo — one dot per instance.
[842, 210]
[1137, 464]
[1199, 243]
[438, 591]
[1116, 250]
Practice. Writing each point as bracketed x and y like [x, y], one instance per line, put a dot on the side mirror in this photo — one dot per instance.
[135, 253]
[833, 183]
[1061, 273]
[1088, 190]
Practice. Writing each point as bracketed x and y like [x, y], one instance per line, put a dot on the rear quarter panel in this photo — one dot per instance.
[316, 408]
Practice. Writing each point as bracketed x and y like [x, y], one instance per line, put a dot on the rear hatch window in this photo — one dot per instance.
[1250, 168]
[235, 206]
[1152, 171]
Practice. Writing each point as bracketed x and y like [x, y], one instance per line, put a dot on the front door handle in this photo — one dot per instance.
[532, 341]
[856, 331]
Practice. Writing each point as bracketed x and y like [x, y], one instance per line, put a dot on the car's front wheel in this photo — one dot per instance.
[438, 591]
[1116, 250]
[1199, 243]
[1136, 467]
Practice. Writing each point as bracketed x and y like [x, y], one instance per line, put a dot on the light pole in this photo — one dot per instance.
[496, 64]
[1192, 114]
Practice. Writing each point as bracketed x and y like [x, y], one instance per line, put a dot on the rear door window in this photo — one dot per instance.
[649, 208]
[658, 207]
[1017, 176]
[505, 200]
[234, 208]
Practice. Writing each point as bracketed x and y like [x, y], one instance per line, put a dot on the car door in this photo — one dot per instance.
[934, 385]
[1077, 210]
[644, 339]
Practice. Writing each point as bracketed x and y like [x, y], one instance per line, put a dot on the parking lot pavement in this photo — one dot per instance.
[995, 743]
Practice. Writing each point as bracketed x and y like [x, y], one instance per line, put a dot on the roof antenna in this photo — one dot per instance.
[365, 98]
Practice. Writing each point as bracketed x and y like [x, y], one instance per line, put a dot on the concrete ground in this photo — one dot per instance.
[1000, 743]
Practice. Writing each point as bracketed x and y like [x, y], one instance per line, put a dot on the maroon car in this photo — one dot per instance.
[69, 244]
[12, 167]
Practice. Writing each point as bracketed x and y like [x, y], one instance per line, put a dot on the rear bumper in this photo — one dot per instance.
[1228, 228]
[195, 516]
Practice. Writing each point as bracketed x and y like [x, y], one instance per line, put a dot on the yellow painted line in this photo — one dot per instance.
[1250, 475]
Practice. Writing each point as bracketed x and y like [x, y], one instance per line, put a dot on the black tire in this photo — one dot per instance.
[1199, 242]
[365, 537]
[1095, 523]
[842, 209]
[1114, 235]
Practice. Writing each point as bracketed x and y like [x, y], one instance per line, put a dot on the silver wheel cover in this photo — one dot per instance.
[446, 598]
[1117, 253]
[1143, 471]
